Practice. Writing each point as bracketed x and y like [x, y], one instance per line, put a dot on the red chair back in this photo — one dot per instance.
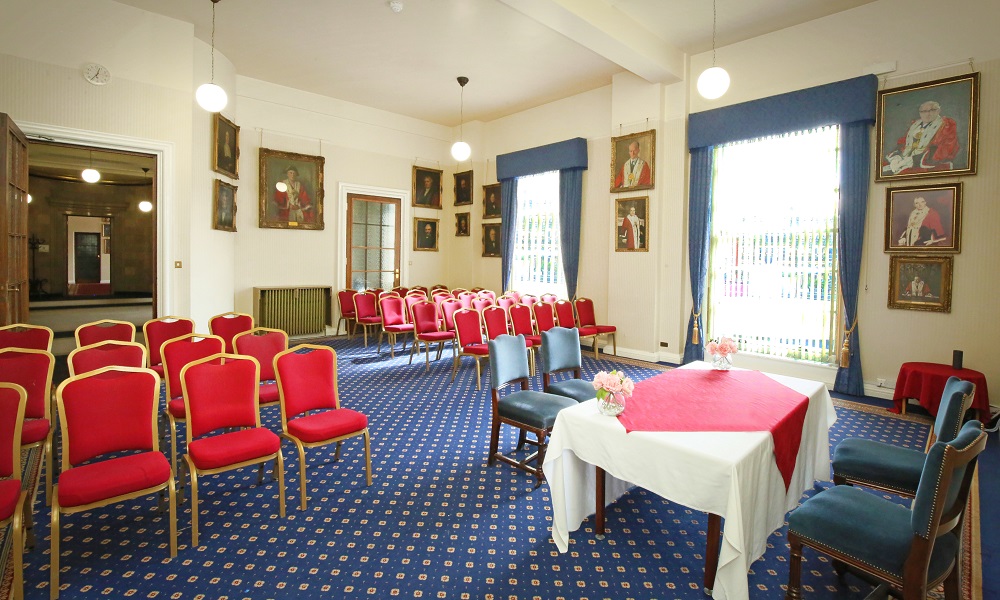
[307, 380]
[227, 325]
[13, 400]
[32, 370]
[393, 310]
[346, 300]
[110, 353]
[364, 305]
[516, 295]
[89, 334]
[585, 312]
[158, 331]
[529, 300]
[375, 291]
[22, 335]
[544, 316]
[496, 322]
[438, 286]
[455, 292]
[410, 301]
[220, 391]
[109, 410]
[505, 302]
[183, 350]
[416, 292]
[402, 291]
[422, 288]
[549, 298]
[468, 327]
[466, 299]
[564, 312]
[448, 310]
[481, 303]
[424, 317]
[488, 294]
[263, 344]
[520, 319]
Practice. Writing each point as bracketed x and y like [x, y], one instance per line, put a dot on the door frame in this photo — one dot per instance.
[164, 192]
[405, 235]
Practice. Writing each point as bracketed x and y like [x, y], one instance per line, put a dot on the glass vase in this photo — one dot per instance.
[611, 405]
[722, 362]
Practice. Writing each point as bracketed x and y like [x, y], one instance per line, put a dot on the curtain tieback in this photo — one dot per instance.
[845, 351]
[694, 332]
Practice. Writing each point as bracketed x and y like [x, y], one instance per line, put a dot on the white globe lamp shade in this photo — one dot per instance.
[713, 83]
[211, 97]
[461, 151]
[29, 198]
[91, 175]
[145, 206]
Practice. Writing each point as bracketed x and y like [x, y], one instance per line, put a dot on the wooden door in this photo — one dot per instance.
[87, 257]
[372, 242]
[13, 224]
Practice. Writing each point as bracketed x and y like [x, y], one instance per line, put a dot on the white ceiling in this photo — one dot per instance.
[517, 53]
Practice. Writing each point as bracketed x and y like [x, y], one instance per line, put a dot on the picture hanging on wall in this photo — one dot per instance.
[491, 201]
[920, 282]
[491, 239]
[291, 190]
[426, 187]
[631, 215]
[928, 129]
[425, 236]
[462, 228]
[926, 218]
[463, 188]
[224, 206]
[632, 161]
[225, 146]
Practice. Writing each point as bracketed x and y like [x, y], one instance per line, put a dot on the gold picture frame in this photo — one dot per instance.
[492, 201]
[425, 234]
[290, 201]
[224, 206]
[633, 162]
[426, 188]
[463, 188]
[492, 236]
[920, 282]
[225, 146]
[632, 224]
[924, 218]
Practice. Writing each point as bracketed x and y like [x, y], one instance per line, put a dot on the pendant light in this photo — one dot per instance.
[90, 174]
[460, 150]
[714, 81]
[146, 206]
[210, 96]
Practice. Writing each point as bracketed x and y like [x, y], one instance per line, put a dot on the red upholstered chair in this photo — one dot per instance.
[586, 319]
[455, 292]
[505, 302]
[566, 318]
[110, 353]
[366, 312]
[416, 292]
[89, 334]
[32, 370]
[466, 299]
[375, 291]
[481, 303]
[347, 314]
[409, 301]
[488, 294]
[469, 332]
[448, 310]
[548, 298]
[220, 393]
[227, 325]
[393, 322]
[476, 290]
[426, 329]
[263, 344]
[545, 318]
[157, 331]
[378, 303]
[438, 286]
[519, 316]
[22, 335]
[400, 290]
[311, 414]
[529, 300]
[13, 500]
[516, 295]
[111, 410]
[497, 324]
[421, 288]
[178, 353]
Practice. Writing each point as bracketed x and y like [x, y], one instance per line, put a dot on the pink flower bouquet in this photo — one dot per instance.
[723, 347]
[612, 389]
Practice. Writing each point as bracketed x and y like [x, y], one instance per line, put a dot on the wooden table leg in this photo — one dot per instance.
[599, 512]
[712, 551]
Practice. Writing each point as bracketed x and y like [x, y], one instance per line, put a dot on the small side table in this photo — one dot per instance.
[925, 382]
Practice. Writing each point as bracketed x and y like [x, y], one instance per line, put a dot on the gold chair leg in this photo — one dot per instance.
[454, 367]
[427, 356]
[368, 458]
[49, 466]
[54, 550]
[614, 343]
[17, 545]
[194, 502]
[302, 474]
[280, 468]
[596, 349]
[479, 374]
[172, 493]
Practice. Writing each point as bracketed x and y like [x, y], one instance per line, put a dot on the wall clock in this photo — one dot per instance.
[97, 74]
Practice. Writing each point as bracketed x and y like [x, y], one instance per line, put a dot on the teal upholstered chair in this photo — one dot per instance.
[894, 469]
[909, 550]
[560, 353]
[529, 411]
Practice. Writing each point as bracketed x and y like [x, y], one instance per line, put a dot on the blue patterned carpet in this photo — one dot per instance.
[435, 523]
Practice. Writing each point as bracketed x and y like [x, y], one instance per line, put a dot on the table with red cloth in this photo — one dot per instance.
[728, 472]
[925, 382]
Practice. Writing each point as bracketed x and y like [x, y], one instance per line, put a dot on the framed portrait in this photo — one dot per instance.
[425, 234]
[920, 282]
[426, 187]
[631, 217]
[928, 129]
[225, 146]
[924, 218]
[632, 161]
[291, 190]
[491, 239]
[106, 230]
[224, 206]
[491, 201]
[462, 228]
[463, 188]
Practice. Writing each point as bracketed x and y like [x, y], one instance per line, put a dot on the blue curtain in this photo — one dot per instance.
[699, 236]
[508, 212]
[854, 171]
[570, 215]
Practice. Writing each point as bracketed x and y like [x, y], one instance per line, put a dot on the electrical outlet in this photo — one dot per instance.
[880, 381]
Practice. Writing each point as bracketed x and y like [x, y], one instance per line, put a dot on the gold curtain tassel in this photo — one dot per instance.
[845, 354]
[694, 334]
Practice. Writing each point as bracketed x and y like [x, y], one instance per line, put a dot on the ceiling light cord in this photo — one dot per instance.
[714, 22]
[213, 41]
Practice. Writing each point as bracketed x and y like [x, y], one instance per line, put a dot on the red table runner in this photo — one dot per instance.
[701, 400]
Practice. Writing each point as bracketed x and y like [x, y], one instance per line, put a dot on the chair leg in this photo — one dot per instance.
[494, 439]
[260, 473]
[172, 493]
[54, 550]
[427, 354]
[540, 458]
[953, 583]
[522, 438]
[368, 458]
[454, 368]
[413, 349]
[614, 343]
[27, 521]
[17, 546]
[194, 501]
[279, 467]
[49, 466]
[364, 328]
[302, 475]
[336, 454]
[379, 349]
[794, 568]
[596, 347]
[479, 374]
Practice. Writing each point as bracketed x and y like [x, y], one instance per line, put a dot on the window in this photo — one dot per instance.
[772, 281]
[537, 266]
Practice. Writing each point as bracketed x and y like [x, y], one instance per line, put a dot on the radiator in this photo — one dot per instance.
[298, 311]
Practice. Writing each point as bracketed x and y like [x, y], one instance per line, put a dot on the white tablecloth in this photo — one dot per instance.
[729, 474]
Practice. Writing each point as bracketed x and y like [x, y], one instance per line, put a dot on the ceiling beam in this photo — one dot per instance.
[602, 28]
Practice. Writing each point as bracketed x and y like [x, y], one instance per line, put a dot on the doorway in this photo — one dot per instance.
[87, 257]
[373, 235]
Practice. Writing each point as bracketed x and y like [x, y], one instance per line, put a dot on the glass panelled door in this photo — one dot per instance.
[373, 242]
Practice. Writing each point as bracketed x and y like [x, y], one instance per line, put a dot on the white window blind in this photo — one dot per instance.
[773, 257]
[537, 260]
